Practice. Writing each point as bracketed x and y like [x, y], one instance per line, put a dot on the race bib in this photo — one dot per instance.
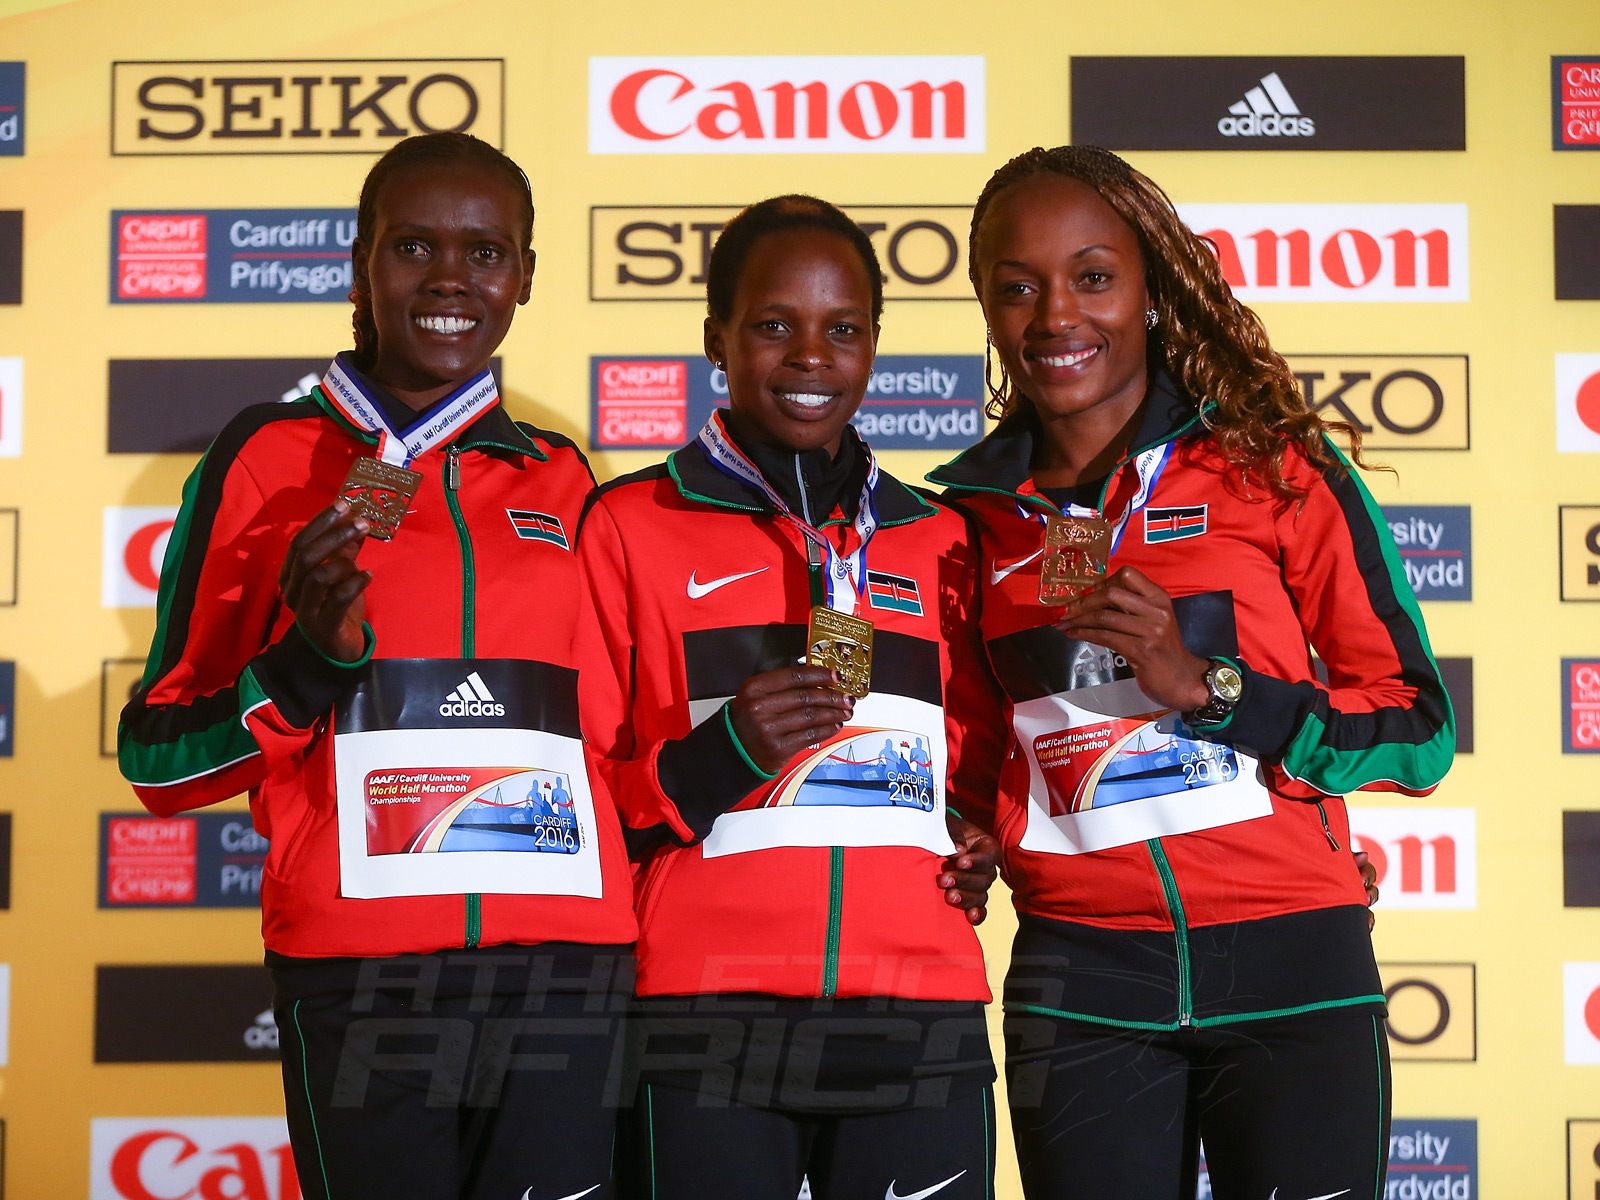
[463, 775]
[1107, 765]
[879, 781]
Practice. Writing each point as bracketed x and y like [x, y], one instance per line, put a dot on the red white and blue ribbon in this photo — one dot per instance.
[846, 573]
[1149, 465]
[435, 426]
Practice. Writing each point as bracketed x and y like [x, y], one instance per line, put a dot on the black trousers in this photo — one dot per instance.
[684, 1149]
[1294, 1107]
[447, 1092]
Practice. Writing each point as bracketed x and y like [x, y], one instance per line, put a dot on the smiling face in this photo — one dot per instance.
[798, 343]
[1062, 283]
[445, 268]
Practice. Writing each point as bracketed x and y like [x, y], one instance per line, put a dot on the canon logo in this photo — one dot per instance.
[192, 1158]
[1426, 857]
[1338, 252]
[780, 105]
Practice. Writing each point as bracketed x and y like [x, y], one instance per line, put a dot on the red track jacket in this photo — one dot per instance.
[235, 699]
[694, 584]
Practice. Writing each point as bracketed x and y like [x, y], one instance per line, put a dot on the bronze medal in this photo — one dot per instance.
[1076, 550]
[380, 493]
[841, 643]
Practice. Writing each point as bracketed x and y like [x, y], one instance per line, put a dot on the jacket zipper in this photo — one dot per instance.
[1180, 932]
[452, 485]
[830, 950]
[1322, 813]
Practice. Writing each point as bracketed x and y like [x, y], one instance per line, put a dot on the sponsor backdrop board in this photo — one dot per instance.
[1412, 209]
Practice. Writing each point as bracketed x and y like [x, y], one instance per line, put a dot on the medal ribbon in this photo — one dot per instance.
[846, 574]
[1149, 465]
[441, 421]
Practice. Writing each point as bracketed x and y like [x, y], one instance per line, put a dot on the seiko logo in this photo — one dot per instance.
[1267, 110]
[1433, 1011]
[781, 105]
[472, 699]
[1338, 252]
[1395, 401]
[661, 253]
[300, 106]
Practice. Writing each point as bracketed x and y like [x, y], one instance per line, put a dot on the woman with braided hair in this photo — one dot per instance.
[1193, 958]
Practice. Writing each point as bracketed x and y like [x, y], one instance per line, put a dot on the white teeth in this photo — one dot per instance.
[805, 399]
[1067, 360]
[446, 324]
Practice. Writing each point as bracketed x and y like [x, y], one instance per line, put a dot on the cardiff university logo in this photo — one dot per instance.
[759, 105]
[133, 546]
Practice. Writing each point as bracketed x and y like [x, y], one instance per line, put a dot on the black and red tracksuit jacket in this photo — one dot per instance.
[1261, 917]
[659, 650]
[234, 698]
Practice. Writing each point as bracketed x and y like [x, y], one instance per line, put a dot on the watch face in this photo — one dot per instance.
[1227, 683]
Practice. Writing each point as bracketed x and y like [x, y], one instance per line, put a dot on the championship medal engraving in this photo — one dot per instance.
[841, 643]
[1076, 550]
[380, 493]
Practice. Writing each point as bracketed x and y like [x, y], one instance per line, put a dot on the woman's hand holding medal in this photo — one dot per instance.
[1132, 616]
[322, 584]
[779, 713]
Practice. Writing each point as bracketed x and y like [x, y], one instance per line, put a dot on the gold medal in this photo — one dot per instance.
[1076, 550]
[841, 643]
[380, 493]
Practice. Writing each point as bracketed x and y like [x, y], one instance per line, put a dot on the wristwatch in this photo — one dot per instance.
[1226, 685]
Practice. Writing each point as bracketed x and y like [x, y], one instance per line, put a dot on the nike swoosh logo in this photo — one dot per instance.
[528, 1195]
[891, 1194]
[1327, 1196]
[997, 573]
[698, 589]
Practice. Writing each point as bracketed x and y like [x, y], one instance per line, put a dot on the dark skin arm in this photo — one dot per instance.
[322, 584]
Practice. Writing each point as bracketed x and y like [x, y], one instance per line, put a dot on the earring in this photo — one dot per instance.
[1151, 317]
[719, 364]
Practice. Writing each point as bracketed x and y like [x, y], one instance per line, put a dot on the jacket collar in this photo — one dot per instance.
[700, 481]
[1001, 462]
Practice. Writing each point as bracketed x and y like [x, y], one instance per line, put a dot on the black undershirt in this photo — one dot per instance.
[830, 481]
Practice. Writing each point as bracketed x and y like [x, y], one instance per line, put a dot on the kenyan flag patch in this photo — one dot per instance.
[1173, 524]
[538, 527]
[894, 592]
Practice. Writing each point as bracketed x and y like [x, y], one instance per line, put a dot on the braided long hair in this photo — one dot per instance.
[1214, 346]
[445, 147]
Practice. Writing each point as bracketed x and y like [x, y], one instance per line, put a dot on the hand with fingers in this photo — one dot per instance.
[1129, 614]
[322, 584]
[779, 713]
[969, 873]
[1369, 880]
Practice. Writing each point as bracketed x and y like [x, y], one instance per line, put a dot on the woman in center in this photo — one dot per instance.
[811, 988]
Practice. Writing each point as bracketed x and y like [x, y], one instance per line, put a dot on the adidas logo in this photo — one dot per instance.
[1267, 110]
[472, 699]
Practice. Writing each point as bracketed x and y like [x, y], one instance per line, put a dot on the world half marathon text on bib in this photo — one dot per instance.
[463, 775]
[879, 781]
[1107, 765]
